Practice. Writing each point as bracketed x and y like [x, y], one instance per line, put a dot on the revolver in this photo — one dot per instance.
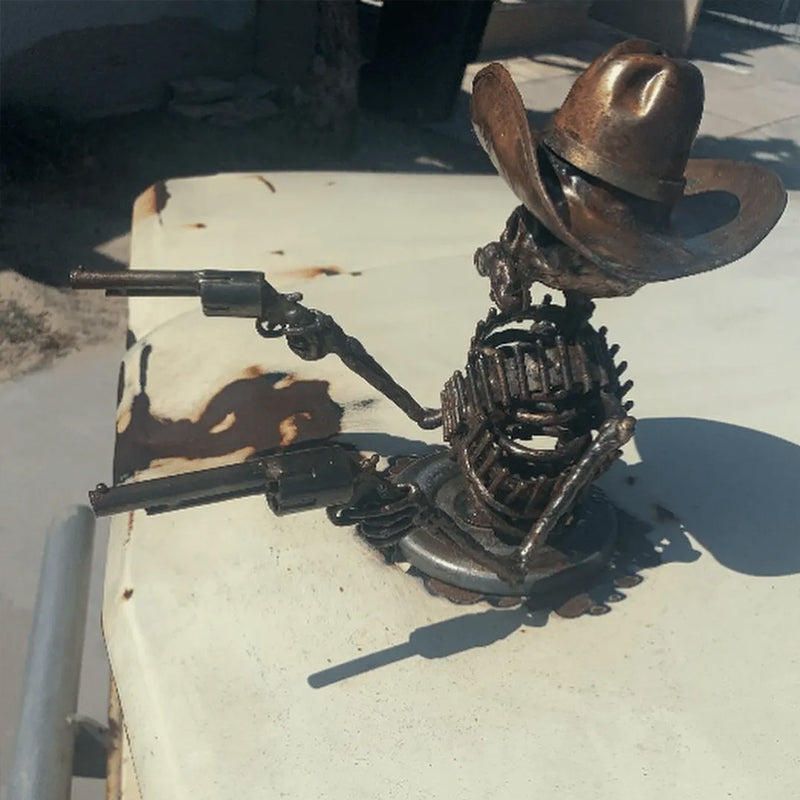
[310, 333]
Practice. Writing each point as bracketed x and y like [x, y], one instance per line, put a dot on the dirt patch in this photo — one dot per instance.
[39, 323]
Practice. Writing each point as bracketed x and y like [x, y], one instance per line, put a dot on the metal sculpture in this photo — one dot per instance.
[610, 201]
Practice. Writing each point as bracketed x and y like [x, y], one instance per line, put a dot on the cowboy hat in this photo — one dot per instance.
[611, 176]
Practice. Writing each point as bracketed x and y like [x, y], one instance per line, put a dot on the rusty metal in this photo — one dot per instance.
[507, 508]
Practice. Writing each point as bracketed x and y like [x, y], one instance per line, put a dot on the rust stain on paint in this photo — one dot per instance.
[246, 415]
[195, 225]
[263, 180]
[129, 529]
[127, 594]
[309, 273]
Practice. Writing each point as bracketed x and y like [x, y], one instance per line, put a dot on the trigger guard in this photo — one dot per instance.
[270, 330]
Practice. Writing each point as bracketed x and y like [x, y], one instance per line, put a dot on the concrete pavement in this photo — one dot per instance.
[57, 441]
[752, 81]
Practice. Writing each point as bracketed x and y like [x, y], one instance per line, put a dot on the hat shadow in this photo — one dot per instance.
[703, 212]
[734, 489]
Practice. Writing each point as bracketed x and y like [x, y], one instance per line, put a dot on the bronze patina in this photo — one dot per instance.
[611, 179]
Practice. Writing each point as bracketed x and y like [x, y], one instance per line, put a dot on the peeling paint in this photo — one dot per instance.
[288, 430]
[288, 427]
[284, 383]
[243, 417]
[151, 202]
[123, 420]
[228, 422]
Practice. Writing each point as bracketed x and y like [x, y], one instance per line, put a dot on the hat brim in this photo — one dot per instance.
[727, 207]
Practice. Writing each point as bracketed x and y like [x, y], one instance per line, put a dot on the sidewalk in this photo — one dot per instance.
[752, 82]
[58, 438]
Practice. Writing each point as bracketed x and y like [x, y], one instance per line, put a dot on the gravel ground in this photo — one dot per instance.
[40, 323]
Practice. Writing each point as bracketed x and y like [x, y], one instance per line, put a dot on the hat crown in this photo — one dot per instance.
[630, 119]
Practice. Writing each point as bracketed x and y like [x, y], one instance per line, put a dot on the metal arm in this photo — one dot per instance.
[309, 333]
[612, 435]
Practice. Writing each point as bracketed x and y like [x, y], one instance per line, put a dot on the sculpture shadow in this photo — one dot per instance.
[635, 552]
[438, 640]
[734, 489]
[387, 444]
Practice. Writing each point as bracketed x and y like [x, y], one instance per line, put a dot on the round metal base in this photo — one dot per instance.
[574, 552]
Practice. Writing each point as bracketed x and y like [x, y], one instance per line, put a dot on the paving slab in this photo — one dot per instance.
[717, 126]
[752, 79]
[759, 104]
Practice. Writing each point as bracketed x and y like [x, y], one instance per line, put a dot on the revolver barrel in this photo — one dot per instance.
[291, 480]
[138, 283]
[223, 293]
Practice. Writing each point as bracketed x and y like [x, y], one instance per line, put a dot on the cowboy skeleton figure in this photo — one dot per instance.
[610, 201]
